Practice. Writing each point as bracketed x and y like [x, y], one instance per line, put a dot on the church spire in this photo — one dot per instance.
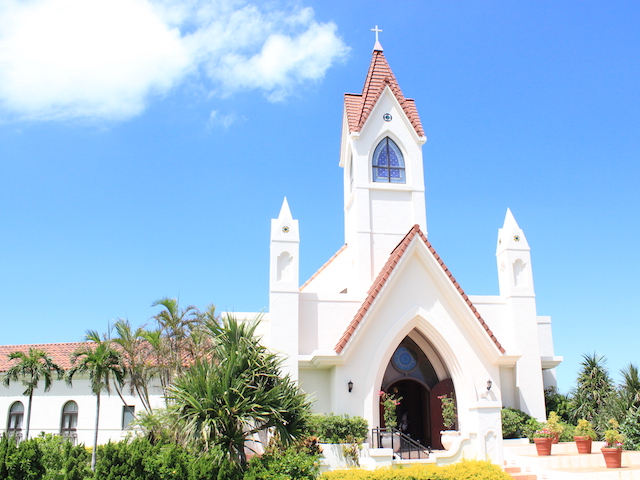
[379, 76]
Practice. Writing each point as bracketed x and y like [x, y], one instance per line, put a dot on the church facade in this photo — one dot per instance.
[384, 314]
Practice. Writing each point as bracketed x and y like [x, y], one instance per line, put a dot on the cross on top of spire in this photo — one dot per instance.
[377, 45]
[377, 30]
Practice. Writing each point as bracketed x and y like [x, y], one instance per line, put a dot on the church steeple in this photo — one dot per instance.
[381, 154]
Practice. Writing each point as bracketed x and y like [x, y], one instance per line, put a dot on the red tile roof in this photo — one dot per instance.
[323, 266]
[384, 274]
[359, 107]
[60, 353]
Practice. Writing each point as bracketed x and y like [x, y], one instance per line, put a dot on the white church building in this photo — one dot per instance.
[384, 313]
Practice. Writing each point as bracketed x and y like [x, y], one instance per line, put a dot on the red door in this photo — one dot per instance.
[444, 387]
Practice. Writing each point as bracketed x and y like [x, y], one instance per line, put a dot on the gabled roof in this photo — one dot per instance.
[359, 107]
[60, 353]
[383, 276]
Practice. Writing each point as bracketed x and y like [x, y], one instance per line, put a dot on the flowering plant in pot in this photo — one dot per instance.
[612, 451]
[553, 424]
[448, 405]
[390, 403]
[543, 439]
[584, 435]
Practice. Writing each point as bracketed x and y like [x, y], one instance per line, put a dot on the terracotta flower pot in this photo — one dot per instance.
[612, 457]
[543, 445]
[583, 444]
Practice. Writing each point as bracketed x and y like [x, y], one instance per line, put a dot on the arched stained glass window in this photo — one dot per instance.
[388, 163]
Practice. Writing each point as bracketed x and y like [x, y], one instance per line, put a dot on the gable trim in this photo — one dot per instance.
[384, 275]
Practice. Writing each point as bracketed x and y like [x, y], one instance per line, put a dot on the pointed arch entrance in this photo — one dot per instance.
[411, 375]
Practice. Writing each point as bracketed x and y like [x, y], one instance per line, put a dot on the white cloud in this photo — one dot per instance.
[219, 119]
[105, 58]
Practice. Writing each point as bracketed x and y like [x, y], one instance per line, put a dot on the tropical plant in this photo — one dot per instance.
[103, 364]
[138, 364]
[630, 387]
[560, 403]
[630, 428]
[236, 391]
[32, 367]
[390, 402]
[175, 325]
[162, 426]
[594, 392]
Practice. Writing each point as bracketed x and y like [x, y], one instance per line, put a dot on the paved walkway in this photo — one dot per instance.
[565, 463]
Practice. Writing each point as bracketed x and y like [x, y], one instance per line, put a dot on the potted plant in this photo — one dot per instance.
[612, 451]
[448, 405]
[584, 436]
[390, 404]
[543, 439]
[554, 425]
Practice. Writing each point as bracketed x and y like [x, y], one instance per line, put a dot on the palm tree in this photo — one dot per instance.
[102, 363]
[32, 367]
[237, 391]
[138, 365]
[175, 325]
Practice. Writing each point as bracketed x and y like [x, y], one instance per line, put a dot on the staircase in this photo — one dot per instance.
[516, 472]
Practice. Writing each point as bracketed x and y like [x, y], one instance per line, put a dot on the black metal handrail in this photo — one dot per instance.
[402, 444]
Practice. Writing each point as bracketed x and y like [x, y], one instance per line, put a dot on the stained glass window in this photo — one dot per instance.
[388, 163]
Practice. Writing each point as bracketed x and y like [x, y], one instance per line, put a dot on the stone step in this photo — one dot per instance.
[516, 473]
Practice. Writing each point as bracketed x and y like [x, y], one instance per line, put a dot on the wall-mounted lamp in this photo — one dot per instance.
[350, 385]
[489, 383]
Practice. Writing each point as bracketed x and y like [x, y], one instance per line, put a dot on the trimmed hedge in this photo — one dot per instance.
[464, 470]
[338, 428]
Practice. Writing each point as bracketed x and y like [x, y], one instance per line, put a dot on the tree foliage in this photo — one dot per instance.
[103, 364]
[32, 367]
[237, 391]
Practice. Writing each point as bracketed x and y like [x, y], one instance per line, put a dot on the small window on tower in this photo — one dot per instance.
[388, 163]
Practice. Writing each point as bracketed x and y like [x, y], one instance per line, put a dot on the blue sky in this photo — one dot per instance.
[145, 145]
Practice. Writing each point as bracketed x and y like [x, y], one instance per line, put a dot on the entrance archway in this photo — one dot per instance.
[411, 375]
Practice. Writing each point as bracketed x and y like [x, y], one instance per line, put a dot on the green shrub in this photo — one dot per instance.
[338, 428]
[513, 423]
[141, 460]
[568, 433]
[630, 428]
[463, 470]
[77, 461]
[290, 464]
[206, 465]
[24, 462]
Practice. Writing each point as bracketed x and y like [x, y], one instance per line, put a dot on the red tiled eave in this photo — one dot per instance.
[384, 275]
[359, 107]
[60, 353]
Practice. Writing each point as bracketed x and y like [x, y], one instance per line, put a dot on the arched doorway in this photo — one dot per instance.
[411, 375]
